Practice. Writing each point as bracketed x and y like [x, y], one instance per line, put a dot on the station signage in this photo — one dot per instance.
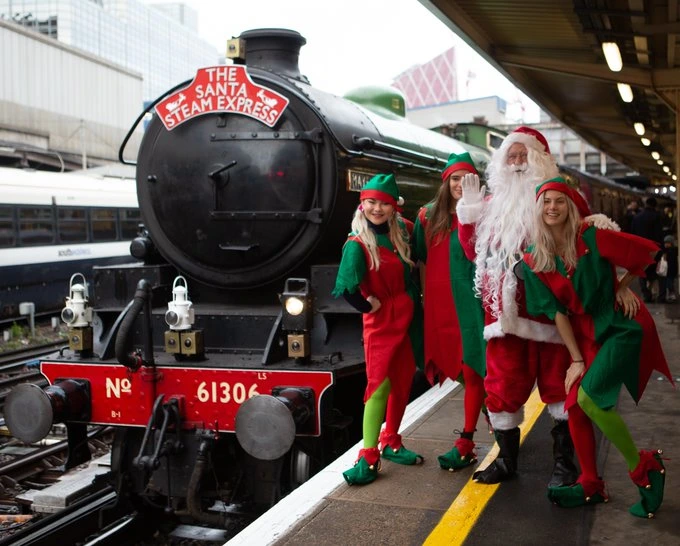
[222, 89]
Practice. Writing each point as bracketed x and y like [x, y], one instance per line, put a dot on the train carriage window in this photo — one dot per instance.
[103, 224]
[36, 225]
[72, 225]
[7, 236]
[129, 220]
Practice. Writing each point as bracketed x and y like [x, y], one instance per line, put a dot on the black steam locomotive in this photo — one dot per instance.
[229, 371]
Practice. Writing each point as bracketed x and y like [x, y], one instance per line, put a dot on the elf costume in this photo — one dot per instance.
[453, 316]
[616, 350]
[390, 335]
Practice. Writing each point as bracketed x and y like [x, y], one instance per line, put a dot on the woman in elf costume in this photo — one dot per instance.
[454, 318]
[570, 275]
[375, 277]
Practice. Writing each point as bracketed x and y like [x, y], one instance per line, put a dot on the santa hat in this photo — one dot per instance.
[560, 184]
[458, 162]
[384, 188]
[530, 137]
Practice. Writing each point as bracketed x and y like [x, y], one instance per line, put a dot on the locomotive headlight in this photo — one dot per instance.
[297, 309]
[77, 313]
[294, 305]
[180, 313]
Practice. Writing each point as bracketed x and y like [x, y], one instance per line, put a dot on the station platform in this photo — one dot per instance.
[413, 505]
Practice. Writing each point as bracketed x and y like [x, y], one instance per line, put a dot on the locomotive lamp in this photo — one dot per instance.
[181, 339]
[77, 314]
[297, 316]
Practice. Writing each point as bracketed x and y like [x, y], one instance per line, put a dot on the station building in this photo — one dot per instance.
[77, 73]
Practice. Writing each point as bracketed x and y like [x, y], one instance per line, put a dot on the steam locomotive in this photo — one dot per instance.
[229, 371]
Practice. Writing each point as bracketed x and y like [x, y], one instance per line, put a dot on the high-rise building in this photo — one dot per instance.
[430, 84]
[158, 41]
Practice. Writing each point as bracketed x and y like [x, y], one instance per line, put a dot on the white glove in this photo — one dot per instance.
[601, 221]
[472, 193]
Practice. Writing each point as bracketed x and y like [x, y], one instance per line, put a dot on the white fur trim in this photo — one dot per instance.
[469, 214]
[557, 411]
[529, 141]
[505, 420]
[524, 328]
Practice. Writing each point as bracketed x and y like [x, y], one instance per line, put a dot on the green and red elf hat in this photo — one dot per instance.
[458, 162]
[384, 188]
[560, 184]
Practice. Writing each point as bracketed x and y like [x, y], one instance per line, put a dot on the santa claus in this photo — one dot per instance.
[521, 350]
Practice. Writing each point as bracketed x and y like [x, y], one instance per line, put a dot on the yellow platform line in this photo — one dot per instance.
[460, 517]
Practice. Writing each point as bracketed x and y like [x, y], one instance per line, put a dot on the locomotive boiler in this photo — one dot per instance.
[229, 371]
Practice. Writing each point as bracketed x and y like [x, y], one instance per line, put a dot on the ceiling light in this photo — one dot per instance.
[656, 155]
[645, 141]
[639, 128]
[625, 91]
[664, 190]
[659, 161]
[672, 188]
[674, 177]
[656, 190]
[666, 169]
[613, 56]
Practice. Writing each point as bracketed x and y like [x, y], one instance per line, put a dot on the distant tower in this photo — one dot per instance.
[431, 83]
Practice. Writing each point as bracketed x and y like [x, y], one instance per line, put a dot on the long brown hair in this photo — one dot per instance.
[439, 223]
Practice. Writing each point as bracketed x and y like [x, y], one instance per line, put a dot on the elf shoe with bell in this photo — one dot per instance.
[461, 456]
[582, 493]
[650, 477]
[393, 450]
[365, 470]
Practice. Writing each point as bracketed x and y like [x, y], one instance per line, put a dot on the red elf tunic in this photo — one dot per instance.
[453, 316]
[617, 350]
[393, 334]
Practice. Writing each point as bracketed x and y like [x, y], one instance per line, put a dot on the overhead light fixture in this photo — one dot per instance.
[666, 169]
[625, 91]
[656, 190]
[639, 128]
[659, 161]
[613, 56]
[674, 177]
[645, 141]
[672, 188]
[656, 155]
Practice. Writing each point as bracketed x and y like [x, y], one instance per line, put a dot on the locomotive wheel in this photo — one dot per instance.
[300, 467]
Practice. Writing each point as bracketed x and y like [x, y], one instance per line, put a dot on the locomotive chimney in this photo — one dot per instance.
[275, 49]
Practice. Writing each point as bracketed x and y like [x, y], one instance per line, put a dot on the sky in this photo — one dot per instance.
[352, 43]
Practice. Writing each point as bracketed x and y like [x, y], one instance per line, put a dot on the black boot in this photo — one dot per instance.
[505, 465]
[564, 471]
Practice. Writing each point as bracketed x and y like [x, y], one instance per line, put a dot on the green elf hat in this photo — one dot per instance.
[560, 184]
[382, 187]
[458, 162]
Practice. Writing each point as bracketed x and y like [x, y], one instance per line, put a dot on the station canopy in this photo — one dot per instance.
[553, 51]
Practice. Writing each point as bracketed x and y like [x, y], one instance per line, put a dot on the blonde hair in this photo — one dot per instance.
[398, 236]
[545, 249]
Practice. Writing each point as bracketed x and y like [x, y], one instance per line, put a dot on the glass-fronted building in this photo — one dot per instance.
[160, 42]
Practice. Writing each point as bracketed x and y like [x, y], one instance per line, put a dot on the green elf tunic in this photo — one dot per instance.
[453, 316]
[393, 337]
[617, 350]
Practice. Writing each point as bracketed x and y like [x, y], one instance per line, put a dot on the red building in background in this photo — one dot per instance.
[431, 83]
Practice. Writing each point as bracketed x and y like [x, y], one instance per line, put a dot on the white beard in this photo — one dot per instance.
[502, 234]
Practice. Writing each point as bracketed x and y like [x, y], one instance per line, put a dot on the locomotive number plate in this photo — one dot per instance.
[357, 179]
[209, 397]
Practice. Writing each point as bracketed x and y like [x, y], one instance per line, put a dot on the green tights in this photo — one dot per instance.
[612, 426]
[374, 414]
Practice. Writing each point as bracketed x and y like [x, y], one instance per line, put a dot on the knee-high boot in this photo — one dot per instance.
[564, 469]
[505, 465]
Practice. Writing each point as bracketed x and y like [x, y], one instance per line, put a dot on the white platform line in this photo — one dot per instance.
[283, 516]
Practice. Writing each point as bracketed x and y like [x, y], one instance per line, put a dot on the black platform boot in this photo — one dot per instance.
[564, 471]
[504, 466]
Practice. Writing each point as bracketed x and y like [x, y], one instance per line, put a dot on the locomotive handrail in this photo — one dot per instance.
[400, 162]
[312, 215]
[141, 117]
[368, 143]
